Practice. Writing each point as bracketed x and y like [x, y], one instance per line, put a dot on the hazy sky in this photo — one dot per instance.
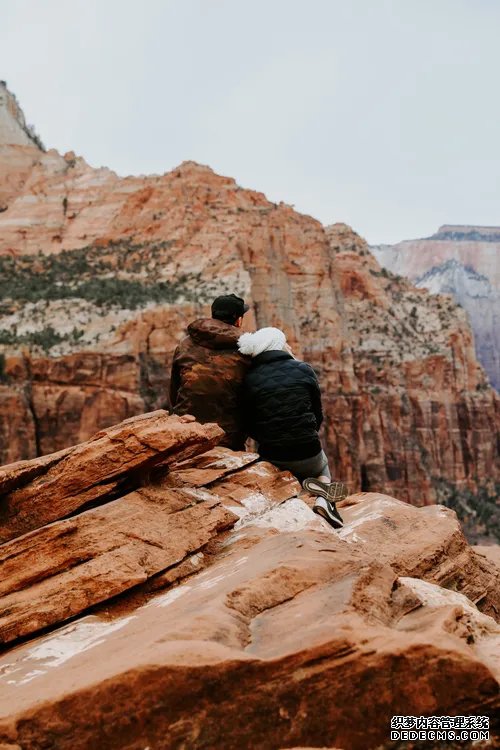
[384, 114]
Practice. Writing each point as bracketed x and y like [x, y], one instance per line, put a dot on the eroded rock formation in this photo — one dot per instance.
[99, 276]
[209, 607]
[463, 261]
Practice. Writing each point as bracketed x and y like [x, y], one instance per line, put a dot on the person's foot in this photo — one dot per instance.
[328, 510]
[331, 491]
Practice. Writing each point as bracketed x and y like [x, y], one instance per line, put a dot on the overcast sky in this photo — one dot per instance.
[383, 114]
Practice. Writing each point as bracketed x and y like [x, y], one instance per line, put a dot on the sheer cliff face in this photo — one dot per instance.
[463, 261]
[19, 147]
[13, 127]
[100, 275]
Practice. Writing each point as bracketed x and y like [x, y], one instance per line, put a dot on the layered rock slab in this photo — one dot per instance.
[206, 468]
[282, 633]
[96, 469]
[298, 639]
[57, 572]
[425, 543]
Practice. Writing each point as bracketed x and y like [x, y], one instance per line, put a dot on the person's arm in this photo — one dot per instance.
[316, 398]
[245, 410]
[246, 403]
[174, 382]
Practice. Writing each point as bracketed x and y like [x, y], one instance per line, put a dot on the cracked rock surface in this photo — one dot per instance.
[202, 604]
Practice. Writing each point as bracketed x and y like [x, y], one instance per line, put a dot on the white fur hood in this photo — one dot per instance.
[263, 340]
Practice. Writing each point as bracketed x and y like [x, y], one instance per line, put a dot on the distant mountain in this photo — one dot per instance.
[463, 261]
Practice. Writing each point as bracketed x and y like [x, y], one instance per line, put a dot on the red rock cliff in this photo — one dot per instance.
[100, 275]
[463, 261]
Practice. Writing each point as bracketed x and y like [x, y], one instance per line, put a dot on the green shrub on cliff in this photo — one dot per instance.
[102, 276]
[45, 339]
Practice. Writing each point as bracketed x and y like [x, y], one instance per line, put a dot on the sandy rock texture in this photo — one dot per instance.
[101, 275]
[210, 607]
[100, 468]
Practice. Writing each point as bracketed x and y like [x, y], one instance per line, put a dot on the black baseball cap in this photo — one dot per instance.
[228, 307]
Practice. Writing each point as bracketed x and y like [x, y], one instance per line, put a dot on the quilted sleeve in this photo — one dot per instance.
[315, 393]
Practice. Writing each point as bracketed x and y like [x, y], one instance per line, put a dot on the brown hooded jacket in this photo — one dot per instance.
[207, 377]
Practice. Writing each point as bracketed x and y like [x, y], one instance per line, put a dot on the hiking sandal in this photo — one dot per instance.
[333, 491]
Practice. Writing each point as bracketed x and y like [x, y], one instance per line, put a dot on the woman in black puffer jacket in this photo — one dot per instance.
[282, 412]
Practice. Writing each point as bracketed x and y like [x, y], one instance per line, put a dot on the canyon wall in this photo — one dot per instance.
[463, 261]
[99, 276]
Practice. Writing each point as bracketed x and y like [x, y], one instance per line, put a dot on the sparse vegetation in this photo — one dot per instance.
[31, 133]
[104, 277]
[45, 339]
[87, 282]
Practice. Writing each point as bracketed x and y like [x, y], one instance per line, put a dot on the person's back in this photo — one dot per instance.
[282, 409]
[283, 406]
[207, 374]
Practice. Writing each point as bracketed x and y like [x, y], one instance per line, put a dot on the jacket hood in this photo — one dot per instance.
[214, 334]
[263, 340]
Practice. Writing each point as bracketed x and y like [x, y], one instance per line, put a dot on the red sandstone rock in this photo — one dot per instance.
[279, 632]
[409, 349]
[20, 473]
[280, 629]
[491, 552]
[96, 469]
[56, 572]
[208, 467]
[261, 480]
[425, 543]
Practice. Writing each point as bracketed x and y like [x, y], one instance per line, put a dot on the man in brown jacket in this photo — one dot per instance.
[208, 370]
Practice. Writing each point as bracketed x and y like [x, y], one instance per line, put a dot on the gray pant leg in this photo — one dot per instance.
[325, 471]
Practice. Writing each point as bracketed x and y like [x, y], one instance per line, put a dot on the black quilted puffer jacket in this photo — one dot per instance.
[282, 406]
